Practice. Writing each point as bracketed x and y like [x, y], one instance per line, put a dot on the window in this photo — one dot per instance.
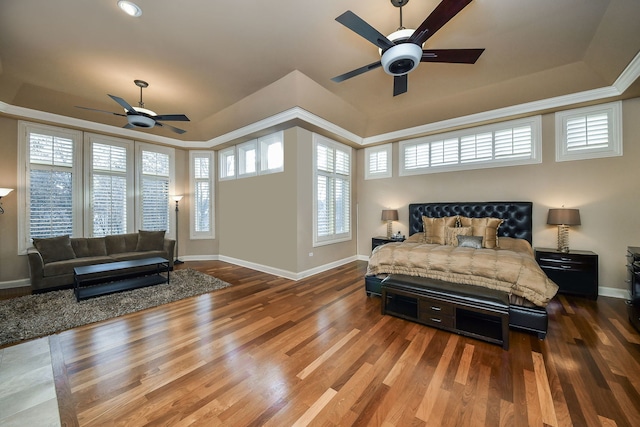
[256, 157]
[247, 158]
[227, 163]
[503, 144]
[377, 162]
[271, 153]
[201, 165]
[52, 206]
[589, 133]
[332, 191]
[155, 183]
[110, 180]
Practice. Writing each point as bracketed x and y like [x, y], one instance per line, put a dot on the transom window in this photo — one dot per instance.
[503, 144]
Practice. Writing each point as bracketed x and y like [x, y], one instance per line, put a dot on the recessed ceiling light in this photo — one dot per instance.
[130, 8]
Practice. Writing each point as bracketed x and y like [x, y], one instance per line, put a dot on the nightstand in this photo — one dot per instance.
[381, 240]
[574, 272]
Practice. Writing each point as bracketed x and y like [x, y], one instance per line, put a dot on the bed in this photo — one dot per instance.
[512, 267]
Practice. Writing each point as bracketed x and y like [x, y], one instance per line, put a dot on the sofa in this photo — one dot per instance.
[52, 260]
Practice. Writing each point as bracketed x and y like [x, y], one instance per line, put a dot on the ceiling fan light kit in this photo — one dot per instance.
[401, 59]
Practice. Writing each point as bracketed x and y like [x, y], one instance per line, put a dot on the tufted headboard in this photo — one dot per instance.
[517, 215]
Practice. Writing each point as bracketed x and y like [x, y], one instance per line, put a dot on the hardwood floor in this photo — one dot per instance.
[270, 351]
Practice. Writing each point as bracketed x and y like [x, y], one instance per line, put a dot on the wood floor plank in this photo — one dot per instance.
[269, 351]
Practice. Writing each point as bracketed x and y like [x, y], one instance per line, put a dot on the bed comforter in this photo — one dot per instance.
[514, 270]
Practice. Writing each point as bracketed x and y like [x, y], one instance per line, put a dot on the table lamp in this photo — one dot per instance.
[563, 218]
[389, 215]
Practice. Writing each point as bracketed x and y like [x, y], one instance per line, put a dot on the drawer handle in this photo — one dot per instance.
[434, 308]
[433, 319]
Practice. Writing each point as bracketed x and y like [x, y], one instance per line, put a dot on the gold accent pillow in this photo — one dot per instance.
[451, 234]
[487, 228]
[434, 228]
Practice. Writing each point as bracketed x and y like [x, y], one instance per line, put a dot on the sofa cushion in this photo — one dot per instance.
[84, 247]
[126, 256]
[54, 248]
[66, 266]
[150, 240]
[119, 243]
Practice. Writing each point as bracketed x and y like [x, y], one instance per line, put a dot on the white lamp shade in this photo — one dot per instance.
[177, 198]
[5, 191]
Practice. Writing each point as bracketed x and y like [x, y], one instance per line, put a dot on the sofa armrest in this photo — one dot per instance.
[36, 267]
[169, 248]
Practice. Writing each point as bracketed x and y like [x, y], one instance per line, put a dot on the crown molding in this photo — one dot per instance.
[298, 114]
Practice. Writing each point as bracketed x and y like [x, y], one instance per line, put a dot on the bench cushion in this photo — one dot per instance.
[470, 294]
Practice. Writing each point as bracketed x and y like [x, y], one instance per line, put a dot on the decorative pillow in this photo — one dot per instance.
[54, 248]
[484, 227]
[451, 234]
[434, 228]
[474, 242]
[150, 240]
[415, 238]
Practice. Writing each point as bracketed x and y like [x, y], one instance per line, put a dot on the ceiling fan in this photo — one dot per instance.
[140, 117]
[401, 52]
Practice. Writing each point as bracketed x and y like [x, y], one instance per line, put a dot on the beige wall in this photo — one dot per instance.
[12, 267]
[267, 219]
[606, 191]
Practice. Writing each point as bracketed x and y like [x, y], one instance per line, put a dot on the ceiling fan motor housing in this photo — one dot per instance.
[401, 59]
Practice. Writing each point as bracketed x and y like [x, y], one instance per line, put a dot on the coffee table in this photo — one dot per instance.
[101, 279]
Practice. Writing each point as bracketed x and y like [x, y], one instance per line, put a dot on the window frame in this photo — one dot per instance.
[335, 146]
[139, 148]
[535, 156]
[193, 180]
[613, 110]
[24, 212]
[222, 164]
[128, 145]
[242, 162]
[264, 143]
[370, 151]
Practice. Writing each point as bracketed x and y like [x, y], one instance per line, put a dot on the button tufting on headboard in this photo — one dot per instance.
[517, 215]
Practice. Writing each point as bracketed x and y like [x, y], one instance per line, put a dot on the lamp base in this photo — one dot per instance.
[563, 238]
[389, 231]
[177, 262]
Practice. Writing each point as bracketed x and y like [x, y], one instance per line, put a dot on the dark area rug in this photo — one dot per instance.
[34, 316]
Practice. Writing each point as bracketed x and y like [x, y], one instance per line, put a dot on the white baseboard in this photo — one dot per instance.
[285, 273]
[614, 293]
[21, 283]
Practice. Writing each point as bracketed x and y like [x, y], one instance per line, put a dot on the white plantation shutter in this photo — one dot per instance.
[589, 132]
[155, 191]
[202, 190]
[227, 159]
[110, 183]
[52, 183]
[247, 158]
[377, 162]
[503, 144]
[332, 219]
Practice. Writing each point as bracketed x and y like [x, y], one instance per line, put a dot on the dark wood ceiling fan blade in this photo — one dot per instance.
[359, 26]
[172, 117]
[173, 128]
[124, 104]
[400, 84]
[446, 10]
[454, 56]
[101, 111]
[357, 72]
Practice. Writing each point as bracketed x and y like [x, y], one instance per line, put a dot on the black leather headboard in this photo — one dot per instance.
[517, 215]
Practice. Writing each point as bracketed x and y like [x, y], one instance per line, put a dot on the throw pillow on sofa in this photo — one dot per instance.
[54, 248]
[150, 240]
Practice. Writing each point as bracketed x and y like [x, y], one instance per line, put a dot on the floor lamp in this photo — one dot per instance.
[177, 199]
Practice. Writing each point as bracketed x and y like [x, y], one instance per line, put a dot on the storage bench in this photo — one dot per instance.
[464, 309]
